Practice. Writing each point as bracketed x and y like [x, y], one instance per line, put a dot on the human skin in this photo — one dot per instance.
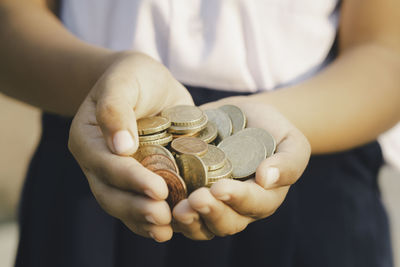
[348, 104]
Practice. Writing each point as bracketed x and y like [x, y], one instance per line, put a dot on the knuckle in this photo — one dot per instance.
[106, 110]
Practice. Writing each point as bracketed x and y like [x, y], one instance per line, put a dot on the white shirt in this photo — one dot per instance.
[243, 45]
[236, 45]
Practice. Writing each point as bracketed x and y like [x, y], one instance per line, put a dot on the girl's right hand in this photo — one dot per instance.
[104, 133]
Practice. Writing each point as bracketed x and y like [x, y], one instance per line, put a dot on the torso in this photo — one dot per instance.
[240, 45]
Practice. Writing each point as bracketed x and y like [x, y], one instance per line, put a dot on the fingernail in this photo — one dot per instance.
[122, 141]
[151, 194]
[204, 210]
[272, 176]
[224, 197]
[150, 219]
[187, 220]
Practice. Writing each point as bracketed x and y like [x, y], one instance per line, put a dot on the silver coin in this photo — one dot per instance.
[222, 120]
[245, 153]
[237, 117]
[262, 135]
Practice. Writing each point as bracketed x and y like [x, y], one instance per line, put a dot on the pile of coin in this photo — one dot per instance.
[190, 148]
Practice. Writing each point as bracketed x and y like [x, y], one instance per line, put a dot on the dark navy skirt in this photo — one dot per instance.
[332, 217]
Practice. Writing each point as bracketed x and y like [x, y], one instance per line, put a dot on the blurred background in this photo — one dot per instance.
[19, 136]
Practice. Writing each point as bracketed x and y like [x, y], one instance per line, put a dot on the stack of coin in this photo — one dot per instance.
[208, 161]
[159, 160]
[206, 147]
[185, 120]
[153, 131]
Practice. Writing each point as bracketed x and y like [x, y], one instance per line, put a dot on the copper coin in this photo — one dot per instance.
[185, 135]
[189, 145]
[144, 151]
[159, 161]
[176, 186]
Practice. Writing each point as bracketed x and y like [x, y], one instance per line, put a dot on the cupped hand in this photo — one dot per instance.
[230, 205]
[104, 133]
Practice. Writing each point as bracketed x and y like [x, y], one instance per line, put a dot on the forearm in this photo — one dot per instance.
[350, 103]
[42, 63]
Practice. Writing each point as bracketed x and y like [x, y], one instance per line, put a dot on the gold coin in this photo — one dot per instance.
[261, 135]
[193, 129]
[223, 173]
[152, 137]
[183, 115]
[237, 117]
[214, 158]
[193, 171]
[221, 120]
[189, 145]
[245, 153]
[162, 141]
[152, 125]
[209, 133]
[147, 150]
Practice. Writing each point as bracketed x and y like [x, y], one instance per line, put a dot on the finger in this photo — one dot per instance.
[129, 207]
[188, 222]
[160, 233]
[115, 100]
[87, 144]
[248, 198]
[220, 219]
[287, 164]
[144, 216]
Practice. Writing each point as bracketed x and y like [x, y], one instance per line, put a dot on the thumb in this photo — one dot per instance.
[287, 164]
[116, 117]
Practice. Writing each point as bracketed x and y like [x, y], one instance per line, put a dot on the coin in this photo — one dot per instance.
[224, 172]
[193, 171]
[185, 135]
[152, 125]
[209, 133]
[183, 115]
[214, 158]
[152, 137]
[162, 141]
[159, 161]
[221, 120]
[237, 117]
[245, 153]
[262, 135]
[189, 145]
[176, 186]
[147, 150]
[191, 129]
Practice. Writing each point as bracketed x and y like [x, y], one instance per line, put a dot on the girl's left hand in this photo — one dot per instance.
[230, 205]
